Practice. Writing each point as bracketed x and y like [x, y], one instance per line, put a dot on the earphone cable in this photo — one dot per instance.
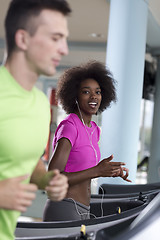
[95, 154]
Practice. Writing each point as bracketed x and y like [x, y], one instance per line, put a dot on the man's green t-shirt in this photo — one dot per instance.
[24, 129]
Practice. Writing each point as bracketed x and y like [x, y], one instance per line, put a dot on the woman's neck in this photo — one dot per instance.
[84, 118]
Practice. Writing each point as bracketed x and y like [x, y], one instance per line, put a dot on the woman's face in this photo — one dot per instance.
[89, 96]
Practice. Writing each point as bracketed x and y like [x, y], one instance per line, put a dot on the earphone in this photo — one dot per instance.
[90, 138]
[96, 162]
[80, 112]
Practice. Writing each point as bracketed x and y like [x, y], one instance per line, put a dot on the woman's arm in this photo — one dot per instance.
[53, 182]
[59, 159]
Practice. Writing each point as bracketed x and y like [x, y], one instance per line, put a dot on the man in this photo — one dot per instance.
[36, 33]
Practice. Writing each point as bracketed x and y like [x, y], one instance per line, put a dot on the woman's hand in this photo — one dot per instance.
[57, 185]
[113, 169]
[122, 175]
[106, 168]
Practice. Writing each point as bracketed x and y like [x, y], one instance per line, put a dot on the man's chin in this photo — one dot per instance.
[50, 73]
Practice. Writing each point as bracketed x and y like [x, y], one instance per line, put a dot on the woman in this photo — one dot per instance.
[82, 91]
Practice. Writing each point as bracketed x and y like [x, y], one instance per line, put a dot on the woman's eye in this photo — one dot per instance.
[98, 92]
[85, 92]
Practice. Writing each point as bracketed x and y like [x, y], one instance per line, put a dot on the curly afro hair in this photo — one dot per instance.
[69, 83]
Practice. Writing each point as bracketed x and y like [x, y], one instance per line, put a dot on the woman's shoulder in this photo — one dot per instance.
[95, 127]
[71, 119]
[94, 124]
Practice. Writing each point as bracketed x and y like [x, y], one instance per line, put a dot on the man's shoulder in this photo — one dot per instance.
[40, 93]
[40, 99]
[5, 79]
[3, 71]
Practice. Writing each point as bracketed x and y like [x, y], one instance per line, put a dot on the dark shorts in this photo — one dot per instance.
[65, 210]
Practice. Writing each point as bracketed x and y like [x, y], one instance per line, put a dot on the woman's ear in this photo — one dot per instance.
[21, 39]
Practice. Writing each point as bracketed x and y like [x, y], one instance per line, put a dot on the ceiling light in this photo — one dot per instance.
[96, 35]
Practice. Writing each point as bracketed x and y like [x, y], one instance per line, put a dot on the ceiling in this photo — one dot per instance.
[88, 26]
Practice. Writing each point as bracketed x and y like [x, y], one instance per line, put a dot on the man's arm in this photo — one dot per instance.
[16, 195]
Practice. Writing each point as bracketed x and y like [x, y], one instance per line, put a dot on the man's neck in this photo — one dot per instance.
[21, 73]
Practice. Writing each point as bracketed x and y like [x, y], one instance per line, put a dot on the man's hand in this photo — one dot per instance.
[15, 195]
[57, 185]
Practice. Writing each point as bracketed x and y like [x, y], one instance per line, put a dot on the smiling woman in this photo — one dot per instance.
[83, 91]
